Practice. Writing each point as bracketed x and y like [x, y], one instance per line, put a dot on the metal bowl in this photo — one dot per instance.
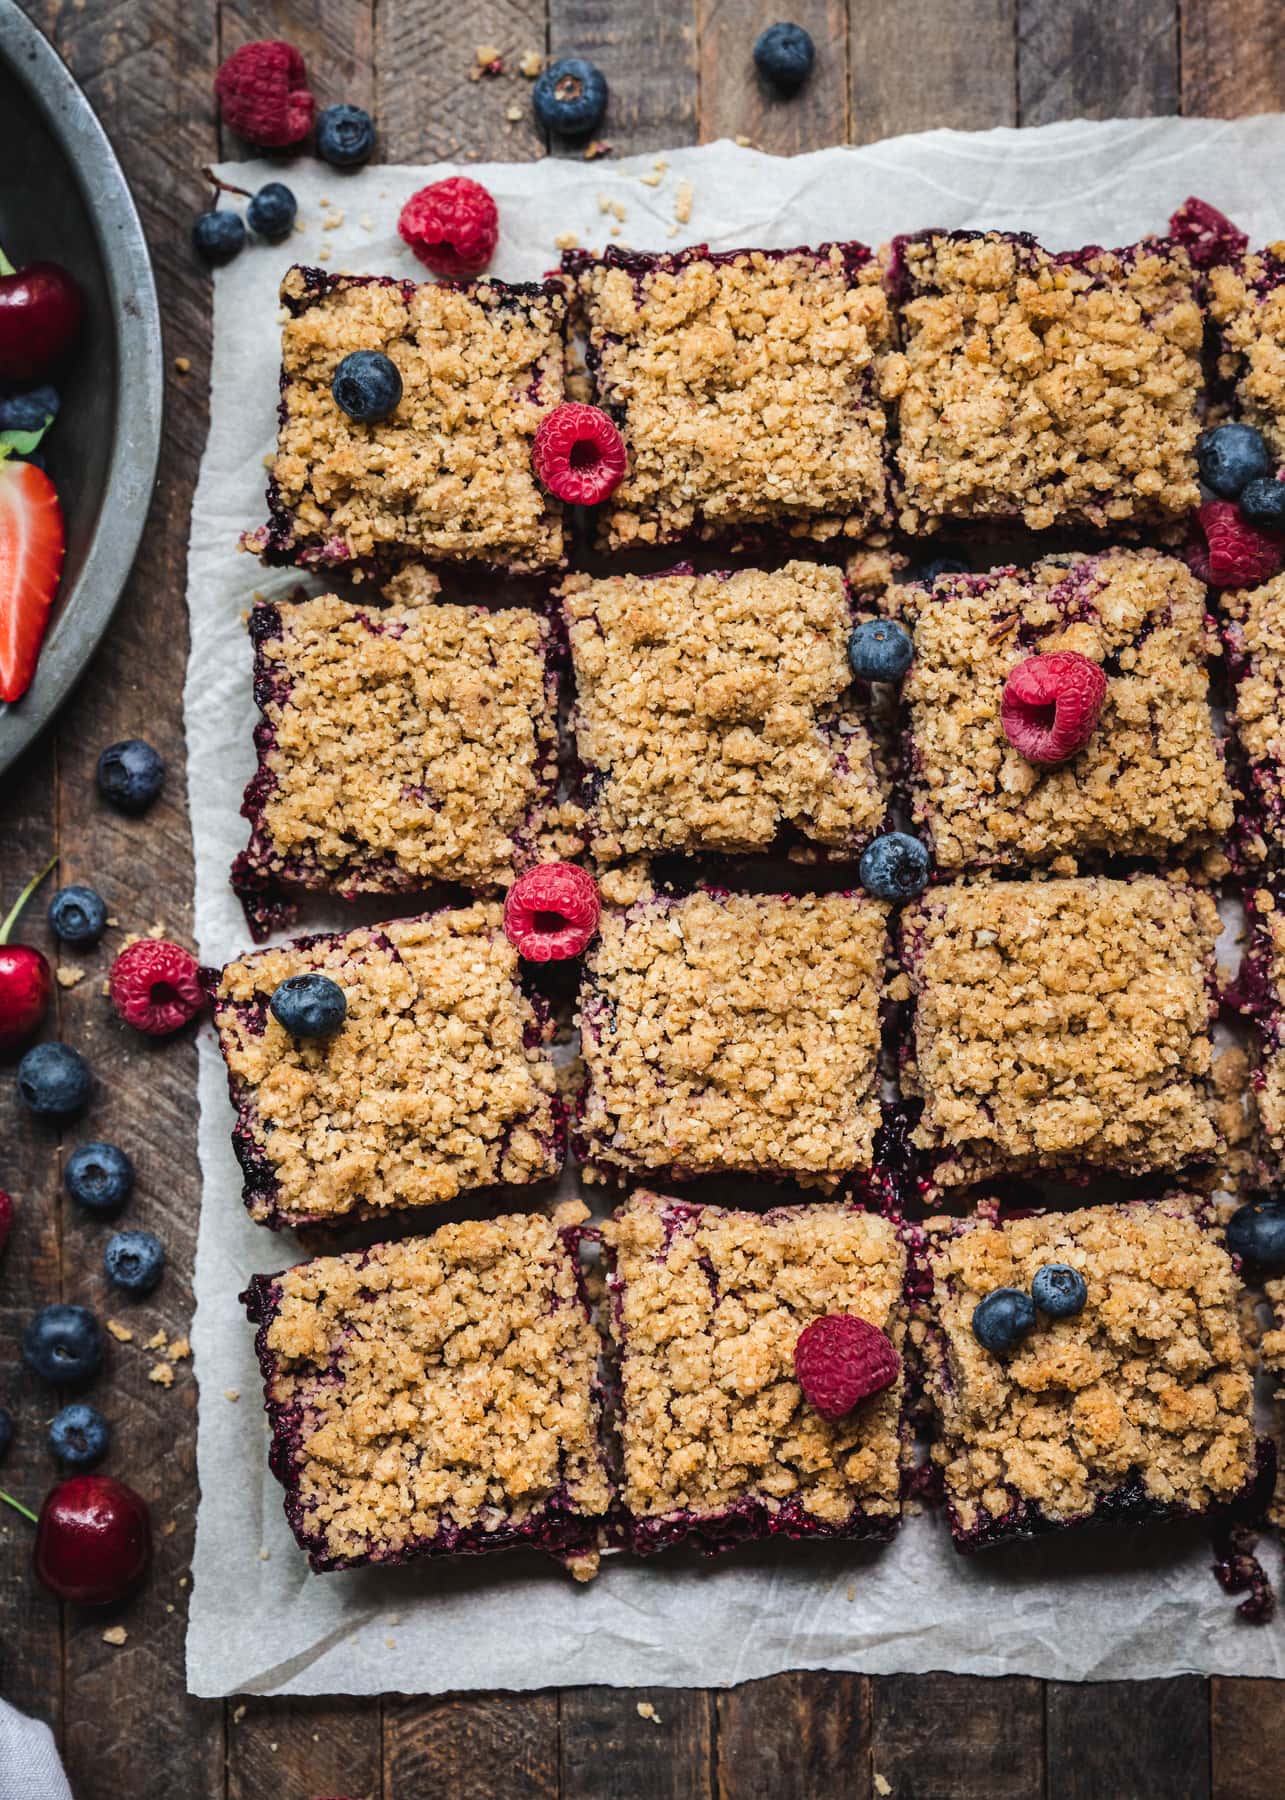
[63, 197]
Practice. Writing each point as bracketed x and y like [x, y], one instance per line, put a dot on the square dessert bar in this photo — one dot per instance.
[1247, 304]
[1051, 389]
[713, 711]
[717, 1441]
[399, 746]
[435, 1083]
[736, 1033]
[1260, 990]
[1061, 1027]
[1139, 1407]
[1254, 633]
[746, 386]
[436, 1397]
[1151, 780]
[447, 476]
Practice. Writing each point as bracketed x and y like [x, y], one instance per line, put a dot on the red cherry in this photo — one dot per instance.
[25, 981]
[40, 308]
[93, 1540]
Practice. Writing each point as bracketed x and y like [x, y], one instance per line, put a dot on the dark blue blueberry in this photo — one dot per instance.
[880, 650]
[217, 236]
[77, 915]
[6, 1431]
[54, 1081]
[783, 56]
[309, 1006]
[99, 1177]
[63, 1344]
[948, 561]
[135, 1261]
[1231, 455]
[1059, 1291]
[130, 775]
[1263, 503]
[345, 136]
[29, 411]
[80, 1436]
[570, 97]
[368, 385]
[1256, 1233]
[271, 212]
[895, 866]
[1002, 1319]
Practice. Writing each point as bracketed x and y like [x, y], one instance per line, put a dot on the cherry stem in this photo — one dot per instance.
[222, 187]
[22, 900]
[6, 267]
[19, 1507]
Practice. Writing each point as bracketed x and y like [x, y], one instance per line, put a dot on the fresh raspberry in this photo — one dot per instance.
[1051, 705]
[263, 94]
[1228, 552]
[452, 226]
[6, 1217]
[552, 912]
[840, 1361]
[1207, 235]
[155, 986]
[578, 454]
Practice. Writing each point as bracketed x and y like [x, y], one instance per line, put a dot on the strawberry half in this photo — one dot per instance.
[31, 552]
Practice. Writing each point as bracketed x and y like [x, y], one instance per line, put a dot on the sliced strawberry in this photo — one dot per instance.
[31, 551]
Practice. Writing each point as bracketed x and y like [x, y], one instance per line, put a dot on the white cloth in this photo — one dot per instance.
[29, 1765]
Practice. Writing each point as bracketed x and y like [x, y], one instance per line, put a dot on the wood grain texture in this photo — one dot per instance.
[647, 51]
[472, 1746]
[914, 64]
[795, 1737]
[280, 1749]
[429, 102]
[1147, 1739]
[335, 37]
[959, 1737]
[1233, 57]
[736, 102]
[1081, 60]
[611, 1751]
[1246, 1738]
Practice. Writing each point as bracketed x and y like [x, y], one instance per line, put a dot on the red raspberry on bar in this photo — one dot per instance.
[578, 454]
[1051, 706]
[840, 1361]
[552, 912]
[1228, 552]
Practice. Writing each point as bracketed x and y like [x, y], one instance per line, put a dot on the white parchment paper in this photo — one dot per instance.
[1104, 1605]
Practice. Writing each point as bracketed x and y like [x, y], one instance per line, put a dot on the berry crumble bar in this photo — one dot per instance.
[436, 1083]
[448, 475]
[714, 710]
[1061, 1027]
[1151, 780]
[1247, 304]
[1054, 389]
[746, 385]
[736, 1033]
[1254, 632]
[1139, 1407]
[436, 1396]
[716, 1439]
[399, 746]
[1260, 991]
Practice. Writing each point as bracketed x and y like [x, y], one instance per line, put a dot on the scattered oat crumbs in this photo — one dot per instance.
[656, 174]
[851, 1594]
[182, 1581]
[599, 147]
[530, 64]
[157, 1341]
[179, 1350]
[112, 920]
[333, 221]
[238, 1715]
[683, 202]
[390, 1643]
[182, 364]
[567, 240]
[513, 114]
[366, 222]
[158, 930]
[882, 1785]
[232, 1394]
[162, 1374]
[489, 61]
[323, 255]
[169, 1528]
[115, 1634]
[69, 975]
[265, 1555]
[744, 142]
[647, 1711]
[394, 1618]
[121, 1333]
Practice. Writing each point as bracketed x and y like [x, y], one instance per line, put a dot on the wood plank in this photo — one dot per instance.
[1233, 57]
[335, 37]
[734, 102]
[959, 1737]
[914, 65]
[304, 1748]
[795, 1737]
[1247, 1737]
[1147, 1739]
[647, 51]
[1079, 60]
[428, 105]
[612, 1751]
[473, 1746]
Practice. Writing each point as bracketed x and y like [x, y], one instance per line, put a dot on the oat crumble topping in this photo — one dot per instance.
[1267, 959]
[1247, 303]
[1255, 633]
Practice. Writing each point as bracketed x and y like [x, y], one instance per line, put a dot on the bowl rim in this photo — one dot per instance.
[85, 608]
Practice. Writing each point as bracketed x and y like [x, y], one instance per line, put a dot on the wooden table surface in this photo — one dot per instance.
[680, 72]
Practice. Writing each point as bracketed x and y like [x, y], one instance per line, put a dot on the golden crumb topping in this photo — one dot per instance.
[448, 474]
[1247, 303]
[736, 1032]
[1062, 1024]
[1148, 1386]
[1047, 389]
[711, 710]
[1272, 1344]
[1268, 925]
[1151, 779]
[746, 390]
[438, 1385]
[1256, 643]
[707, 1307]
[433, 1085]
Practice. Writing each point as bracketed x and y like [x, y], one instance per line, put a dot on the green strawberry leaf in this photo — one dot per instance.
[22, 443]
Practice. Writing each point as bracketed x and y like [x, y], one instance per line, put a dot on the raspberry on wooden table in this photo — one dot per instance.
[1051, 706]
[452, 226]
[578, 454]
[840, 1361]
[155, 986]
[1228, 552]
[552, 912]
[263, 94]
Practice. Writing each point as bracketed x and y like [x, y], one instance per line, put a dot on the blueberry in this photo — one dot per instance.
[6, 1431]
[783, 56]
[130, 775]
[217, 236]
[1256, 1233]
[948, 561]
[368, 385]
[99, 1177]
[80, 1436]
[895, 866]
[1229, 456]
[570, 97]
[345, 136]
[1059, 1291]
[135, 1261]
[1002, 1318]
[880, 650]
[271, 212]
[54, 1081]
[1262, 501]
[77, 915]
[29, 411]
[63, 1344]
[309, 1005]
